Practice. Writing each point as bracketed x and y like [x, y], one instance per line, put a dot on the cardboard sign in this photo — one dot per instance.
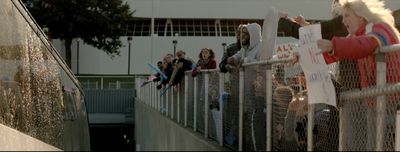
[319, 84]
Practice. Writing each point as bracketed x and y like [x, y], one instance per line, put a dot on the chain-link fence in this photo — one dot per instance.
[272, 112]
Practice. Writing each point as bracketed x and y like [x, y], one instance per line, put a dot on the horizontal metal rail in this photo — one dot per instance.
[370, 92]
[271, 61]
[390, 48]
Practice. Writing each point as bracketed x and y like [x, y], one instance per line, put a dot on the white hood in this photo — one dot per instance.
[252, 52]
[255, 34]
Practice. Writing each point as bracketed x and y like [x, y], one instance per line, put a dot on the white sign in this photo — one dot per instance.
[269, 32]
[319, 83]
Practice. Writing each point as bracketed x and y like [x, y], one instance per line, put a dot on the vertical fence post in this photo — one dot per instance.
[310, 126]
[172, 90]
[381, 101]
[137, 85]
[186, 99]
[195, 103]
[102, 83]
[221, 108]
[143, 93]
[160, 100]
[268, 89]
[178, 103]
[398, 131]
[141, 90]
[241, 103]
[167, 103]
[152, 95]
[155, 96]
[163, 103]
[148, 95]
[206, 103]
[138, 88]
[341, 129]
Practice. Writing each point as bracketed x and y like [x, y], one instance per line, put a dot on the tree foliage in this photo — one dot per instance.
[99, 23]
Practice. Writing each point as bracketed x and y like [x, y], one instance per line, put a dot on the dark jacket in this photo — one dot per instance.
[211, 64]
[329, 28]
[230, 50]
[187, 65]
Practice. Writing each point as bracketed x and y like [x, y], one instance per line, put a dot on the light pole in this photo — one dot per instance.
[224, 47]
[129, 54]
[175, 42]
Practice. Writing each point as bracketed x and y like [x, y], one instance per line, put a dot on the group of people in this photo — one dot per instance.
[350, 38]
[174, 69]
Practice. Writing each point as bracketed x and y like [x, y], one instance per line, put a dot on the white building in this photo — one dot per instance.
[195, 24]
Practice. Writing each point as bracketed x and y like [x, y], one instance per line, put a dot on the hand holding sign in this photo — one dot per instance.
[324, 45]
[319, 84]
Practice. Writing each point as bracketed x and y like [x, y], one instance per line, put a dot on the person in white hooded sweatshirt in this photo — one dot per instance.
[251, 45]
[254, 107]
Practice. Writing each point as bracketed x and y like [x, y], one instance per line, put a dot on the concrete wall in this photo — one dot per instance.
[13, 140]
[155, 132]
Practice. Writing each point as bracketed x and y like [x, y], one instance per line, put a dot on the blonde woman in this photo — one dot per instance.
[370, 25]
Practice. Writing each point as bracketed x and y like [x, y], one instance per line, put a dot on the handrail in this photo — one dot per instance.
[209, 70]
[375, 90]
[384, 49]
[390, 48]
[270, 61]
[370, 92]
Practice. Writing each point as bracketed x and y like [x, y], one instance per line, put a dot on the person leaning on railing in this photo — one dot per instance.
[369, 27]
[347, 68]
[206, 61]
[180, 65]
[251, 43]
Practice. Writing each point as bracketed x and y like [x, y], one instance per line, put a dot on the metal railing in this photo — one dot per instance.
[197, 92]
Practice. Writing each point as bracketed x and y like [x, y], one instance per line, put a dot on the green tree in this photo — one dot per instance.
[99, 23]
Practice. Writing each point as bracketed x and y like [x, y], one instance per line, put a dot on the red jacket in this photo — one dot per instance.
[362, 47]
[211, 64]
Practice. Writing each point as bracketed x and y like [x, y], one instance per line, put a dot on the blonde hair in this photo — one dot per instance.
[373, 11]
